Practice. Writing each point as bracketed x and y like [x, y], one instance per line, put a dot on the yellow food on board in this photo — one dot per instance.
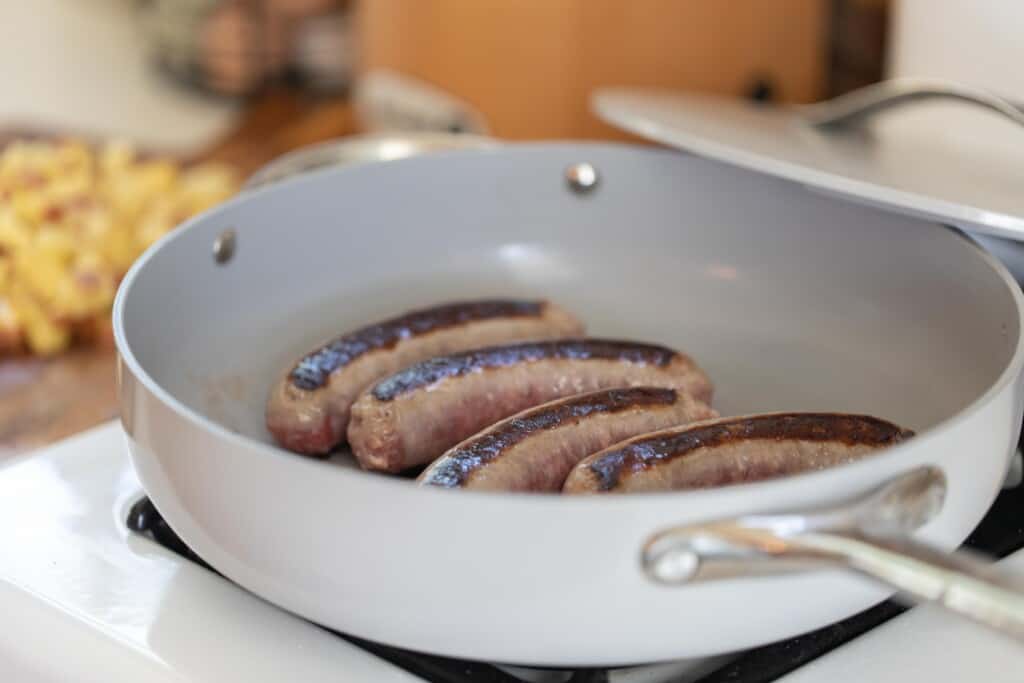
[73, 218]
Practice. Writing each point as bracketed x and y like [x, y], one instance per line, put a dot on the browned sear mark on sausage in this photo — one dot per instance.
[419, 413]
[491, 445]
[311, 372]
[641, 454]
[428, 372]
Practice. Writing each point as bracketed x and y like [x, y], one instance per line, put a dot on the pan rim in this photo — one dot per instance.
[1010, 373]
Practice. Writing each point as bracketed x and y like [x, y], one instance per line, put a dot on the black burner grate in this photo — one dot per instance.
[999, 534]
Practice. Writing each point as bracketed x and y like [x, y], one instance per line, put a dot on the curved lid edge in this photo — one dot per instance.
[674, 119]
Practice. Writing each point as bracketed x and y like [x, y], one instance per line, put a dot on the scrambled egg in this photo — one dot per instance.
[73, 218]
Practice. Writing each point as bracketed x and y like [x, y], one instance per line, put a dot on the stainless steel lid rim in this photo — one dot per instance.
[811, 156]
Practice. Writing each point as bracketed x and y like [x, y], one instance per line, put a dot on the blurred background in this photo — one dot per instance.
[121, 118]
[182, 75]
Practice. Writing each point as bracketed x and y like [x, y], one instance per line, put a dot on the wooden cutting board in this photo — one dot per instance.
[45, 400]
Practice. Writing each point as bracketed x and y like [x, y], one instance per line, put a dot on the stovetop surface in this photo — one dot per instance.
[86, 599]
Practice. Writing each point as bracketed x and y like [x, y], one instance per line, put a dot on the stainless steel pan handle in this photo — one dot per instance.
[865, 102]
[870, 536]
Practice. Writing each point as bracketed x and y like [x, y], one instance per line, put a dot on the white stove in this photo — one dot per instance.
[85, 599]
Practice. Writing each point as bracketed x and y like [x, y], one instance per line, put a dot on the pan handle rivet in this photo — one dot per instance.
[673, 565]
[224, 246]
[582, 178]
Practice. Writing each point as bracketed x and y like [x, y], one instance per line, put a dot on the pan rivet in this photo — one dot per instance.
[582, 178]
[224, 246]
[677, 565]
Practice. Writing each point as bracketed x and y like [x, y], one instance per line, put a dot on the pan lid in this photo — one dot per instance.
[956, 156]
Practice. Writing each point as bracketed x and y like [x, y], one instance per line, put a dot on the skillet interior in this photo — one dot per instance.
[790, 300]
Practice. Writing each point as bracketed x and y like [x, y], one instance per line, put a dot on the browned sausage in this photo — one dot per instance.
[732, 450]
[535, 449]
[417, 414]
[308, 409]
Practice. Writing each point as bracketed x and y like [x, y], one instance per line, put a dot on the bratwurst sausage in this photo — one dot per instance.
[417, 414]
[732, 450]
[308, 409]
[535, 449]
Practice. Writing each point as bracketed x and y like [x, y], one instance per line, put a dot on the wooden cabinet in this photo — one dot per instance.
[528, 65]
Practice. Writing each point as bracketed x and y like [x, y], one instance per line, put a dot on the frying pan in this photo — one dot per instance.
[790, 299]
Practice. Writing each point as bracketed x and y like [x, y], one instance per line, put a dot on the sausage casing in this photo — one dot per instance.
[732, 450]
[415, 415]
[308, 409]
[535, 449]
